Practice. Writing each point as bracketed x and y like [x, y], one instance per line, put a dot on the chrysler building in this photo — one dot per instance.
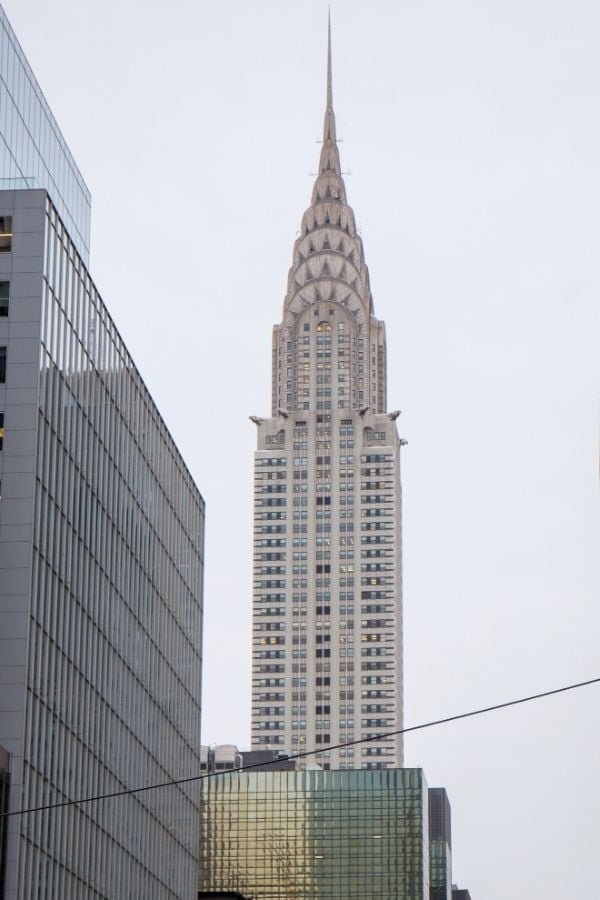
[327, 588]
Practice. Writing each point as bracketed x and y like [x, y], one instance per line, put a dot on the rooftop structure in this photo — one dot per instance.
[227, 757]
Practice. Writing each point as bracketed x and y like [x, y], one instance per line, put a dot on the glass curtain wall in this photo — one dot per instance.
[33, 152]
[316, 834]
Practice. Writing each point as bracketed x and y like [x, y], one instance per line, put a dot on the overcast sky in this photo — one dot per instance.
[471, 131]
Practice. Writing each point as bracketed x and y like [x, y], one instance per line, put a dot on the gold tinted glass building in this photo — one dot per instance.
[316, 834]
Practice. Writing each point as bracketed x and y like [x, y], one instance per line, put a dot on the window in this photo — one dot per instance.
[4, 292]
[2, 365]
[5, 234]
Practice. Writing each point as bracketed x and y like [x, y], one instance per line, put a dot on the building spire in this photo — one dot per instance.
[328, 256]
[329, 78]
[329, 125]
[329, 153]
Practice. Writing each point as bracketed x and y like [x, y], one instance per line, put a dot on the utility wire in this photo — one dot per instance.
[303, 754]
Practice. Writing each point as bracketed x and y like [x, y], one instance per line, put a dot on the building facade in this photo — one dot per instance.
[33, 151]
[101, 564]
[315, 834]
[327, 590]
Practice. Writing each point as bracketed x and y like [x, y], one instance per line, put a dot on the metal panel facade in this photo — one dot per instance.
[101, 566]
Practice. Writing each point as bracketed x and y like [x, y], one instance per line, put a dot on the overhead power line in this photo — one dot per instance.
[305, 753]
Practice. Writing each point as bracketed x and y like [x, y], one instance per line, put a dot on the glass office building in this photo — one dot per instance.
[315, 834]
[33, 152]
[101, 564]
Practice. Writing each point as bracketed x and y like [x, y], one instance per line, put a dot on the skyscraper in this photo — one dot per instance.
[327, 591]
[101, 561]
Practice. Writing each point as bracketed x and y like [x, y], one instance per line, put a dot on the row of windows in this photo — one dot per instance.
[345, 624]
[346, 732]
[321, 652]
[271, 501]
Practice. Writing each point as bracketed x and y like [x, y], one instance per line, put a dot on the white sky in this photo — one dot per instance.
[471, 131]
